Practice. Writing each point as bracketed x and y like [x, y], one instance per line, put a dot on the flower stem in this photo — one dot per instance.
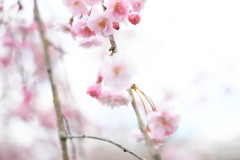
[155, 155]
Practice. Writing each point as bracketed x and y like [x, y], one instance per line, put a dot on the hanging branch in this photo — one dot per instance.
[155, 155]
[57, 105]
[106, 140]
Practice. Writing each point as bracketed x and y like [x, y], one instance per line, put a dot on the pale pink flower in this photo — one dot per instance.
[117, 71]
[114, 99]
[90, 42]
[118, 9]
[134, 18]
[81, 29]
[77, 7]
[101, 23]
[94, 90]
[137, 5]
[163, 123]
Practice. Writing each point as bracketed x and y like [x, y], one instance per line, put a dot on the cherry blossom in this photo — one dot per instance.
[163, 123]
[118, 9]
[117, 71]
[81, 29]
[101, 23]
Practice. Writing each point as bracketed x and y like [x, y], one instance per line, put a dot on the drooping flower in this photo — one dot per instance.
[117, 71]
[114, 99]
[163, 123]
[118, 9]
[101, 23]
[134, 18]
[94, 90]
[81, 29]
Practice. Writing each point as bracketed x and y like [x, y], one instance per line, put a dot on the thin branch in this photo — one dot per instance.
[106, 140]
[69, 132]
[155, 155]
[56, 101]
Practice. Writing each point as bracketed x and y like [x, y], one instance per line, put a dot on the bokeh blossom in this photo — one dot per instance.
[117, 71]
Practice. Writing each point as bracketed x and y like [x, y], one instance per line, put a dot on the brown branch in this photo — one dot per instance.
[106, 140]
[57, 105]
[113, 47]
[155, 155]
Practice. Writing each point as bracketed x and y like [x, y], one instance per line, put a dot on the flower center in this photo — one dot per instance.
[76, 3]
[102, 23]
[117, 70]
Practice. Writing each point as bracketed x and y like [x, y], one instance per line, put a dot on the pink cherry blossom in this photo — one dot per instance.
[117, 71]
[134, 18]
[101, 23]
[137, 5]
[81, 29]
[94, 90]
[118, 9]
[77, 7]
[163, 123]
[114, 99]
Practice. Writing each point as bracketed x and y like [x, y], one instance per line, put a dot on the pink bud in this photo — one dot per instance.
[134, 18]
[94, 90]
[116, 25]
[1, 8]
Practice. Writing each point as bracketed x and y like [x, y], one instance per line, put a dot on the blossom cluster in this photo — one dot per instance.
[89, 24]
[160, 124]
[116, 73]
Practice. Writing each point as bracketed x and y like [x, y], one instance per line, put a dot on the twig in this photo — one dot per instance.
[153, 152]
[106, 140]
[57, 105]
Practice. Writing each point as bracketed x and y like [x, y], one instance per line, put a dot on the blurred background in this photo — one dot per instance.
[187, 55]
